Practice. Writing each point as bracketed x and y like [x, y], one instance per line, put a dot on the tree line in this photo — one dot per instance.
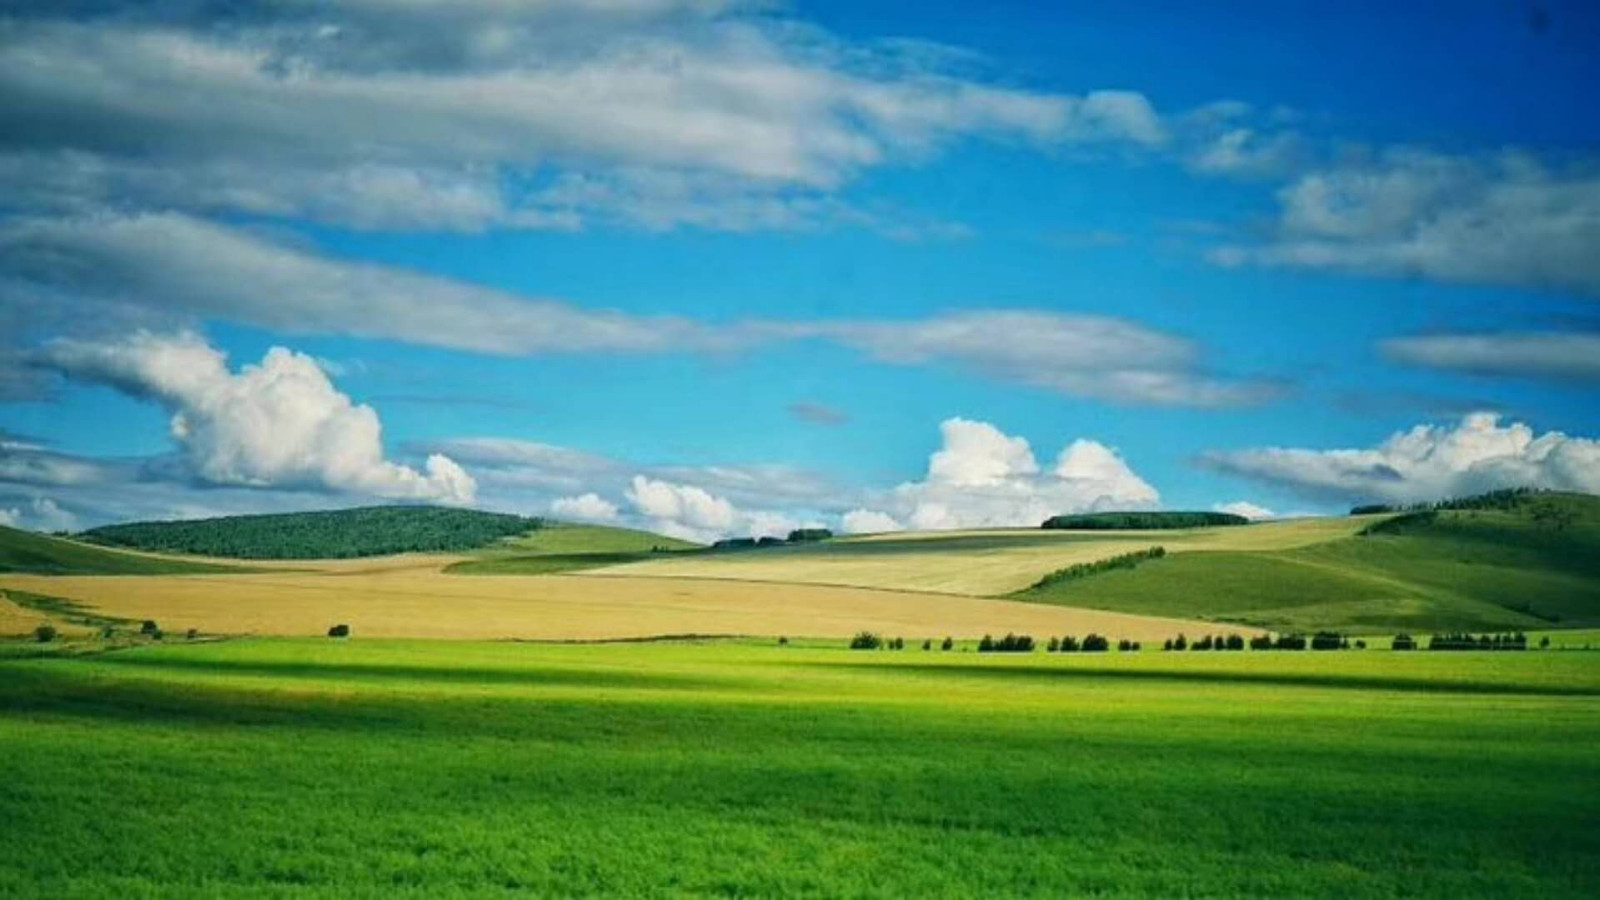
[1142, 521]
[1080, 570]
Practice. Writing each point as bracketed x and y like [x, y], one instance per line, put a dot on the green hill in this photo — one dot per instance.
[329, 534]
[566, 548]
[1533, 565]
[24, 551]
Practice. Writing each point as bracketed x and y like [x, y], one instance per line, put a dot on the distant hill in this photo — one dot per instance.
[1529, 564]
[1142, 521]
[330, 534]
[566, 548]
[24, 551]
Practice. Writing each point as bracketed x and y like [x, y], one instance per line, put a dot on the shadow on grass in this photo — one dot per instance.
[1040, 673]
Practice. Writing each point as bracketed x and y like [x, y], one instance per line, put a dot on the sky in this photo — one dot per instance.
[718, 268]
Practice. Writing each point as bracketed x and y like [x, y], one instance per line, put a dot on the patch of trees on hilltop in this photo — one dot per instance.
[1505, 499]
[329, 534]
[1142, 521]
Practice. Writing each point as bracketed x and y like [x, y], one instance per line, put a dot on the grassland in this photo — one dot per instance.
[417, 600]
[374, 769]
[1482, 569]
[24, 551]
[973, 562]
[567, 548]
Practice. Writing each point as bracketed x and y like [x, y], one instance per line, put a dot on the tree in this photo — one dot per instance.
[1180, 642]
[927, 644]
[45, 633]
[339, 631]
[1095, 643]
[149, 627]
[1544, 642]
[949, 644]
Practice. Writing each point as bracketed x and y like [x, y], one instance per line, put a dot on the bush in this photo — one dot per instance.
[783, 642]
[1053, 645]
[1544, 642]
[1124, 645]
[865, 640]
[339, 631]
[1202, 644]
[1235, 642]
[1361, 645]
[45, 633]
[1069, 644]
[897, 644]
[192, 633]
[949, 644]
[1290, 642]
[1328, 640]
[1167, 645]
[1180, 642]
[1403, 642]
[149, 627]
[1096, 643]
[1261, 642]
[1011, 643]
[927, 644]
[1080, 570]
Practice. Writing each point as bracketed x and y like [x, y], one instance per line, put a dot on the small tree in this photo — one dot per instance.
[1235, 642]
[949, 644]
[192, 633]
[1167, 645]
[1069, 644]
[1096, 643]
[339, 631]
[150, 627]
[986, 645]
[1052, 645]
[865, 640]
[927, 644]
[783, 641]
[1261, 642]
[1544, 642]
[1403, 642]
[45, 633]
[1180, 642]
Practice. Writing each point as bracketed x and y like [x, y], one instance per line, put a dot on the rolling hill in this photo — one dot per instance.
[328, 534]
[24, 551]
[1534, 565]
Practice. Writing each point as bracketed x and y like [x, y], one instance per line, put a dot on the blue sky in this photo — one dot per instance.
[719, 268]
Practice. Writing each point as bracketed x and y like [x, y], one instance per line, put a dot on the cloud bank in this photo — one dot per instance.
[1427, 462]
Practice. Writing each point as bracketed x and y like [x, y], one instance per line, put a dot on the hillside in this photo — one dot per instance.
[24, 551]
[329, 534]
[1533, 565]
[560, 547]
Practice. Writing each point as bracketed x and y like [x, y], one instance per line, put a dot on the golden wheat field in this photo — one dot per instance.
[981, 563]
[405, 598]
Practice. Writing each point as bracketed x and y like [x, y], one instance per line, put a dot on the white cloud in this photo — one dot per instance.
[280, 423]
[590, 507]
[693, 513]
[1510, 220]
[1242, 151]
[1428, 462]
[402, 115]
[1245, 508]
[1571, 356]
[41, 514]
[866, 521]
[984, 478]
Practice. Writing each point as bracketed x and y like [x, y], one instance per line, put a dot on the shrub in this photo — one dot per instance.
[1069, 644]
[149, 627]
[1327, 640]
[865, 640]
[949, 644]
[1202, 644]
[1544, 642]
[1290, 642]
[1403, 642]
[927, 644]
[1011, 643]
[783, 642]
[1261, 642]
[1180, 642]
[1080, 570]
[339, 631]
[1095, 643]
[1124, 645]
[897, 644]
[45, 633]
[107, 632]
[1235, 642]
[1167, 645]
[192, 633]
[1052, 645]
[1361, 645]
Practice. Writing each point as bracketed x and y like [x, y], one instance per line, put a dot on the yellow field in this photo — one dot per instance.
[985, 563]
[411, 598]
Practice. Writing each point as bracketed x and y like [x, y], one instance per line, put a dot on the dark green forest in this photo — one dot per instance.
[1142, 521]
[329, 534]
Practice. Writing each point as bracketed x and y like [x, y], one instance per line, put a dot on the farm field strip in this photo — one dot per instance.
[426, 768]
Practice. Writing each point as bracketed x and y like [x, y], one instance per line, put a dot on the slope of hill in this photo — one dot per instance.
[329, 534]
[560, 547]
[1535, 565]
[23, 551]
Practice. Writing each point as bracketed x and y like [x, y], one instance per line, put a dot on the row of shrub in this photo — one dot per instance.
[1514, 641]
[866, 640]
[1095, 643]
[1080, 570]
[797, 536]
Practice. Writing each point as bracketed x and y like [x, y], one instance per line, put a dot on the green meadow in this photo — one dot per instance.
[302, 768]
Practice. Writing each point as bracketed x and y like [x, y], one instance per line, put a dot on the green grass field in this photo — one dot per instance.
[24, 551]
[1480, 570]
[368, 769]
[568, 548]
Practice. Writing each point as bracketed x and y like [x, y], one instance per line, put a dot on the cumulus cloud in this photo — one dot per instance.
[1509, 220]
[279, 423]
[590, 507]
[1245, 508]
[1428, 462]
[983, 478]
[401, 114]
[1564, 356]
[40, 514]
[693, 513]
[866, 521]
